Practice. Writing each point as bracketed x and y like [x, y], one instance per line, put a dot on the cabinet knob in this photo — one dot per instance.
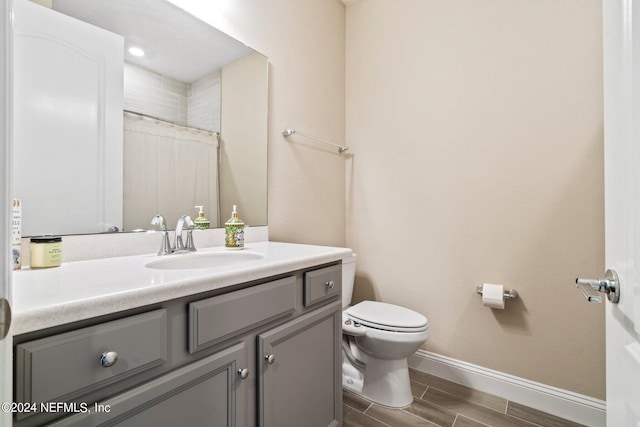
[108, 358]
[270, 358]
[330, 284]
[244, 373]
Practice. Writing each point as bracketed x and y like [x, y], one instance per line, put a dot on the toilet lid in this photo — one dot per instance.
[387, 316]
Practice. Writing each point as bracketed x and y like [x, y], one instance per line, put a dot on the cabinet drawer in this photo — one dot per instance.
[208, 392]
[65, 366]
[322, 284]
[218, 318]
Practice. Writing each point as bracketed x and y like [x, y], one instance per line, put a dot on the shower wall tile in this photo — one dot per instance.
[196, 104]
[204, 102]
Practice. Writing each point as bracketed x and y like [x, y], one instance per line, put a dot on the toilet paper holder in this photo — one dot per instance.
[508, 294]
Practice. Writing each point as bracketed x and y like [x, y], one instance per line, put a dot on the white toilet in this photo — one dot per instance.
[377, 338]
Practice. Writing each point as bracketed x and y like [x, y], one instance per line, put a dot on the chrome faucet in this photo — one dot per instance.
[184, 221]
[165, 248]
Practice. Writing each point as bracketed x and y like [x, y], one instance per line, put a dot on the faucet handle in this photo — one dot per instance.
[189, 224]
[159, 220]
[165, 246]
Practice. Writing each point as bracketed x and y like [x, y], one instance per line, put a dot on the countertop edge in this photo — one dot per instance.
[73, 310]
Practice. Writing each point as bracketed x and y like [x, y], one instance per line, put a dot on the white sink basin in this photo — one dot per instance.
[204, 260]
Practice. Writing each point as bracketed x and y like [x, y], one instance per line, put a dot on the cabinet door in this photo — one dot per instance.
[209, 392]
[299, 366]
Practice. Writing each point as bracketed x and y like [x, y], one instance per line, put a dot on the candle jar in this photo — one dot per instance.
[46, 251]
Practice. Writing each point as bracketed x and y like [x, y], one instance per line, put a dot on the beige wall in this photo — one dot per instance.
[476, 128]
[305, 43]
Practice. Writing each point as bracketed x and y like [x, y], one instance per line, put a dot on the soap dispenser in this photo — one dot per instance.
[201, 222]
[234, 231]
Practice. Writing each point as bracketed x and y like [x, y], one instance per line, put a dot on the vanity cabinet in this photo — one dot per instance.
[260, 354]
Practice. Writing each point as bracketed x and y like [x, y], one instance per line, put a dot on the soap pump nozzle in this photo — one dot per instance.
[201, 222]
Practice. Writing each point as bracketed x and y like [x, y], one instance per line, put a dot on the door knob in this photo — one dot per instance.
[270, 358]
[5, 317]
[610, 286]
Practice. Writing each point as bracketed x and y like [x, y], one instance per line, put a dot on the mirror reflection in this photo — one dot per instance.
[124, 109]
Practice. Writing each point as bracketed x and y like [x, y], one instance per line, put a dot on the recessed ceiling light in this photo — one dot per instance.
[136, 51]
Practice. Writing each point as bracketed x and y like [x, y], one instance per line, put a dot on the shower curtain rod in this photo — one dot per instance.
[135, 113]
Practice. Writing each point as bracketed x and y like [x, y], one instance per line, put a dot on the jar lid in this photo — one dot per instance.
[46, 239]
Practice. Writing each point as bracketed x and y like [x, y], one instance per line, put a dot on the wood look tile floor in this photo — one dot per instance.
[439, 402]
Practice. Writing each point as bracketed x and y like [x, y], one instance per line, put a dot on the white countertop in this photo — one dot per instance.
[79, 290]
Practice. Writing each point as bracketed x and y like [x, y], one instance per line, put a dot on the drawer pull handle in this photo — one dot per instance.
[244, 373]
[108, 358]
[270, 358]
[330, 284]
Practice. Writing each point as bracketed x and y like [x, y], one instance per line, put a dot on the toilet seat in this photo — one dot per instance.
[387, 317]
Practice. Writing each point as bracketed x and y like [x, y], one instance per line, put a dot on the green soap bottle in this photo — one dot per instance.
[234, 231]
[201, 222]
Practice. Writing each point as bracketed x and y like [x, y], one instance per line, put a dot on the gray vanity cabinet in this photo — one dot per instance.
[266, 353]
[300, 370]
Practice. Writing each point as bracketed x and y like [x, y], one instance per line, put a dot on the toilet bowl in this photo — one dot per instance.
[377, 338]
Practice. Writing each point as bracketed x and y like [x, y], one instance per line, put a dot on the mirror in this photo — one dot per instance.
[194, 84]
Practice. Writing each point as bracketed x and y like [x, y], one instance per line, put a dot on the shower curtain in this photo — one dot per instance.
[168, 169]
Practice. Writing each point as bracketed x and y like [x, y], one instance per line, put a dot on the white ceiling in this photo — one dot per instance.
[176, 43]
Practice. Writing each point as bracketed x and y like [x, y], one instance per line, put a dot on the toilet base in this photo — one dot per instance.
[385, 382]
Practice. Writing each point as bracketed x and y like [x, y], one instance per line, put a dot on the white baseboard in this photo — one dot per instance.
[562, 403]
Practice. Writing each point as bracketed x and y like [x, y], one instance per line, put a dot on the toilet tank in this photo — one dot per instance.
[348, 277]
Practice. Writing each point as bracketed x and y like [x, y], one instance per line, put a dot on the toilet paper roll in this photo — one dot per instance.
[493, 295]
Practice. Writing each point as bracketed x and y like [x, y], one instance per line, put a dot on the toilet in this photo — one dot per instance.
[377, 338]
